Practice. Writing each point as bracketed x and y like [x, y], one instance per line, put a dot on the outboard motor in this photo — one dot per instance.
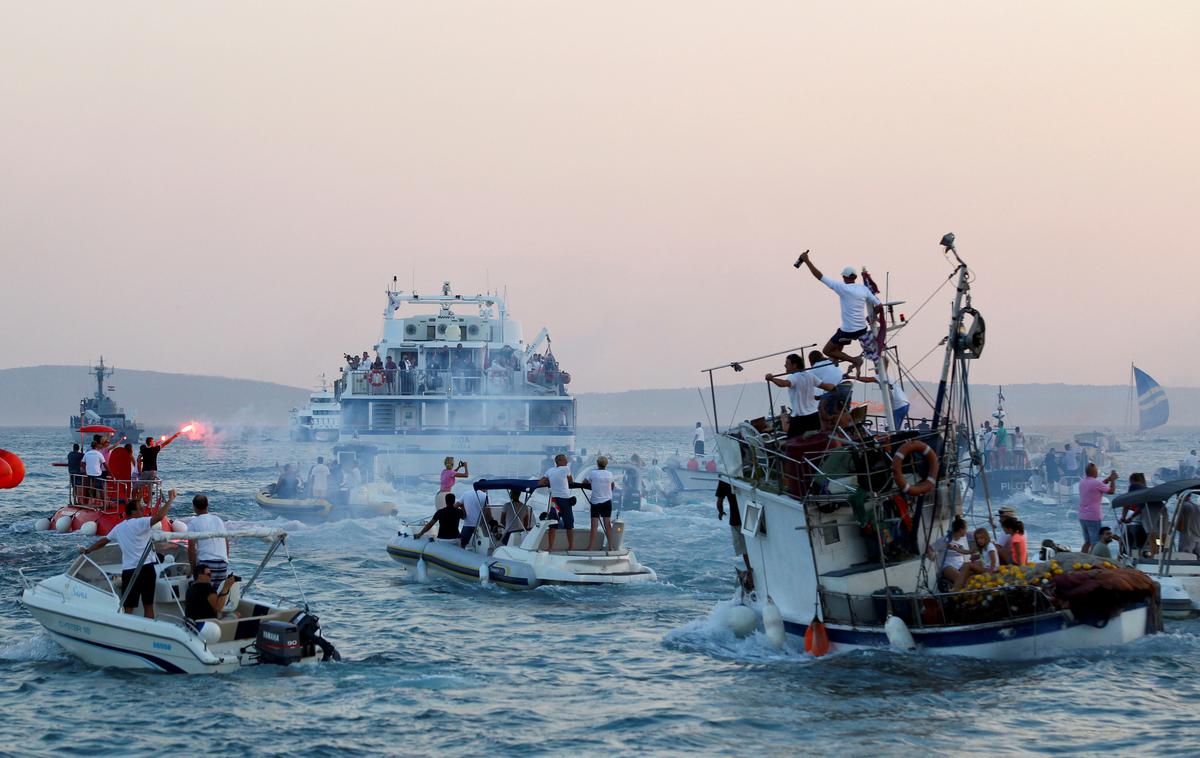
[278, 642]
[309, 627]
[286, 642]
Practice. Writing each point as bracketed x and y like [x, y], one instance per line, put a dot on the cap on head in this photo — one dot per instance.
[1007, 510]
[849, 272]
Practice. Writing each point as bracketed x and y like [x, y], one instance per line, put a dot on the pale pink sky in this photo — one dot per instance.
[227, 188]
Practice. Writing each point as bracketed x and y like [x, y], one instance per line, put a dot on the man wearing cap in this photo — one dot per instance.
[854, 297]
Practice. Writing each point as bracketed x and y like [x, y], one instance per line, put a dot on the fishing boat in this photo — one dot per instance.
[465, 384]
[528, 559]
[845, 530]
[318, 420]
[81, 609]
[102, 410]
[1160, 551]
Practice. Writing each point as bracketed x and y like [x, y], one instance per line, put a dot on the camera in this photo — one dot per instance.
[235, 577]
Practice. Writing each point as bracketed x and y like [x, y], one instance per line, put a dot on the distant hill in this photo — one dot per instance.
[49, 396]
[1029, 404]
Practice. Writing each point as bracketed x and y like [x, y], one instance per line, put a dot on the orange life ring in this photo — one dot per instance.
[375, 378]
[923, 487]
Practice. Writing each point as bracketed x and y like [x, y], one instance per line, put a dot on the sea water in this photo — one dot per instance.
[457, 669]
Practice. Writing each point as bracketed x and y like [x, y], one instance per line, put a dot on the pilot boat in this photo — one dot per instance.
[529, 559]
[81, 610]
[845, 531]
[318, 420]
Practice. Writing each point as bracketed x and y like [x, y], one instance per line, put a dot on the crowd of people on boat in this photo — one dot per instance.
[208, 557]
[330, 481]
[1000, 447]
[109, 471]
[474, 508]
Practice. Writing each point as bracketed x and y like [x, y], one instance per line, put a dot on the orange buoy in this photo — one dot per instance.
[16, 464]
[6, 473]
[816, 639]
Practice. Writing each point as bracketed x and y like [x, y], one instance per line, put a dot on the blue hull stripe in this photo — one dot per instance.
[1000, 632]
[161, 663]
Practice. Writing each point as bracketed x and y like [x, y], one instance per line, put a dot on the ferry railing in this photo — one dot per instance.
[922, 610]
[470, 382]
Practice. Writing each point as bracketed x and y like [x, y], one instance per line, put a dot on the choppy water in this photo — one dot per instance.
[445, 667]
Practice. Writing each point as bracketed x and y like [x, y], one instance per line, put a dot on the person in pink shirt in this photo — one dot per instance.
[1091, 494]
[447, 477]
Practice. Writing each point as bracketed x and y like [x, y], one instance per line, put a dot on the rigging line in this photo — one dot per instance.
[931, 296]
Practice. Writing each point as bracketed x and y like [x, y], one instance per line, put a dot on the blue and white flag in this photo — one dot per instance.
[1153, 408]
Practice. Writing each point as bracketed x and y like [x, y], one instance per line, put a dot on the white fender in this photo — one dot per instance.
[178, 526]
[773, 623]
[742, 620]
[63, 524]
[88, 529]
[42, 525]
[485, 575]
[422, 572]
[210, 632]
[898, 634]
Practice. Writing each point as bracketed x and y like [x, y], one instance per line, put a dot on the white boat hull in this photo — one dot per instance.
[515, 567]
[415, 456]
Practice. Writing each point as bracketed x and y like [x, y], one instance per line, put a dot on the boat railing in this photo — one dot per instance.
[110, 495]
[470, 382]
[929, 610]
[838, 464]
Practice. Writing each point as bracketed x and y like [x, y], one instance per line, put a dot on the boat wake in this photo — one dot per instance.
[39, 647]
[714, 636]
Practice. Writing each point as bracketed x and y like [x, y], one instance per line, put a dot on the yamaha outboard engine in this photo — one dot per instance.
[286, 642]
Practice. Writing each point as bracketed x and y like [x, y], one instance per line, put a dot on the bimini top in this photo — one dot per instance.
[261, 532]
[1157, 494]
[523, 485]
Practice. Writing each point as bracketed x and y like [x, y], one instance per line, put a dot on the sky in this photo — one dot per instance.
[228, 188]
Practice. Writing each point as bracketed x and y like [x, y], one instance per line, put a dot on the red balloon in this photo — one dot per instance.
[16, 468]
[5, 474]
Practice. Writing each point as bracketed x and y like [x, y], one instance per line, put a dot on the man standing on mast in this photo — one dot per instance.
[854, 297]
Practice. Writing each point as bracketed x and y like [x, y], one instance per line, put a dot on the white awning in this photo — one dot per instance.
[264, 533]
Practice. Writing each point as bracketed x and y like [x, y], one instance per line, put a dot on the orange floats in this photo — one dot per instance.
[15, 473]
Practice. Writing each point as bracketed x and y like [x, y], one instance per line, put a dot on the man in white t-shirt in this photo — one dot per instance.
[600, 482]
[474, 504]
[802, 387]
[93, 466]
[318, 481]
[854, 299]
[213, 552]
[826, 370]
[698, 439]
[133, 536]
[562, 503]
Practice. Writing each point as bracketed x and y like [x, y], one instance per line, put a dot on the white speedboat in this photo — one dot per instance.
[1177, 571]
[843, 529]
[81, 610]
[528, 560]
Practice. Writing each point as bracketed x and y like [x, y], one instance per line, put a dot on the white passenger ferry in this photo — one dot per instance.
[458, 380]
[319, 420]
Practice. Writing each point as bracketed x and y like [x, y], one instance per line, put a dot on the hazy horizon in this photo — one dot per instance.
[227, 189]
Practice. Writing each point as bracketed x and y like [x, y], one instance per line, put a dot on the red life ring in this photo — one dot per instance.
[375, 378]
[923, 487]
